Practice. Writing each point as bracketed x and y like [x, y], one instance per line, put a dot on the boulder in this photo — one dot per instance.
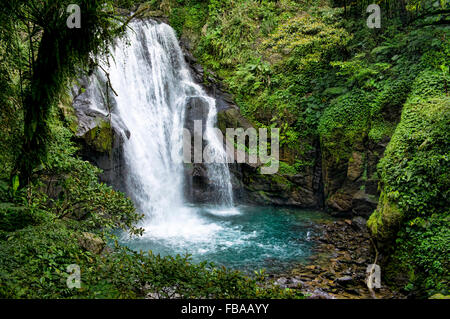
[344, 281]
[341, 202]
[386, 220]
[319, 294]
[295, 283]
[281, 282]
[355, 166]
[364, 204]
[91, 242]
[197, 109]
[232, 118]
[100, 137]
[359, 223]
[197, 185]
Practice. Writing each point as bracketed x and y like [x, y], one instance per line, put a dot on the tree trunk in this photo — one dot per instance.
[39, 98]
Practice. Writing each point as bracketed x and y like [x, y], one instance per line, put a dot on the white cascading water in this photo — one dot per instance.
[153, 83]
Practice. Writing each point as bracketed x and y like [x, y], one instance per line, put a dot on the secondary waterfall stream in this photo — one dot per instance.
[153, 84]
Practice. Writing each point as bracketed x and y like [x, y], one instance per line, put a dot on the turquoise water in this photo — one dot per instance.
[247, 238]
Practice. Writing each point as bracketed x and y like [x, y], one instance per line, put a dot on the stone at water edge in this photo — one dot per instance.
[359, 223]
[346, 280]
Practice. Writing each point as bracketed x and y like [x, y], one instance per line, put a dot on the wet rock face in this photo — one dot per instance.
[196, 110]
[102, 142]
[196, 179]
[278, 189]
[197, 188]
[351, 185]
[303, 189]
[212, 85]
[197, 184]
[364, 204]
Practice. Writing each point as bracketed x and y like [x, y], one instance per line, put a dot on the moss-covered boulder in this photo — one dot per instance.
[345, 152]
[91, 242]
[386, 220]
[415, 169]
[232, 118]
[100, 137]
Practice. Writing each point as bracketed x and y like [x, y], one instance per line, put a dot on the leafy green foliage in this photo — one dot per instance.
[272, 56]
[422, 252]
[345, 122]
[52, 46]
[188, 18]
[34, 266]
[416, 164]
[41, 226]
[415, 178]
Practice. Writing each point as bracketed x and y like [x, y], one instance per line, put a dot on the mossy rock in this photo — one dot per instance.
[147, 10]
[340, 201]
[100, 138]
[91, 242]
[385, 221]
[232, 118]
[66, 106]
[344, 125]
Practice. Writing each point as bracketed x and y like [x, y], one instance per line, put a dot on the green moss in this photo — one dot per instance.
[286, 169]
[380, 130]
[415, 165]
[420, 256]
[282, 181]
[386, 220]
[439, 296]
[100, 137]
[392, 97]
[189, 19]
[264, 195]
[231, 118]
[68, 111]
[344, 123]
[430, 83]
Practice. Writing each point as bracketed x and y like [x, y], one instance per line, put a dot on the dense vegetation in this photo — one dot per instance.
[51, 202]
[414, 199]
[312, 68]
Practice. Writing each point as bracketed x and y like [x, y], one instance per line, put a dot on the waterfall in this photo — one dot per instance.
[153, 84]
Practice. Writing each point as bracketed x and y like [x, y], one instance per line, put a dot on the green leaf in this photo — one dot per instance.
[15, 183]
